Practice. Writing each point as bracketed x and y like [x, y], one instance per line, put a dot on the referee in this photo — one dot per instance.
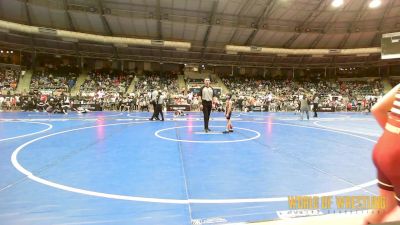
[206, 94]
[154, 96]
[315, 105]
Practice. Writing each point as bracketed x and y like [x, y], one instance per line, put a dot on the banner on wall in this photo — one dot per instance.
[178, 107]
[91, 107]
[326, 109]
[256, 108]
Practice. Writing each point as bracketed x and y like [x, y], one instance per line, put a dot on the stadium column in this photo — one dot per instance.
[34, 60]
[119, 66]
[20, 57]
[81, 63]
[293, 73]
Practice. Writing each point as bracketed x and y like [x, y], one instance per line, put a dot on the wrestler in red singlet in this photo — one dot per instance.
[386, 154]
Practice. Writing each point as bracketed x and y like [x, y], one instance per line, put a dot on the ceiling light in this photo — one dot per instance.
[11, 52]
[375, 4]
[337, 3]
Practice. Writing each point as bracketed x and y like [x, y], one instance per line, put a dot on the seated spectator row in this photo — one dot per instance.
[51, 78]
[109, 89]
[167, 82]
[9, 77]
[106, 82]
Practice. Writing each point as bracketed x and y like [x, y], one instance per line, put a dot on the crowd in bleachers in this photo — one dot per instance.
[394, 82]
[166, 83]
[54, 78]
[108, 88]
[9, 78]
[106, 82]
[163, 82]
[283, 95]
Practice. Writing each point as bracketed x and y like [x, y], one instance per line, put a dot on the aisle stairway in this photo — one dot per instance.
[25, 82]
[81, 79]
[132, 86]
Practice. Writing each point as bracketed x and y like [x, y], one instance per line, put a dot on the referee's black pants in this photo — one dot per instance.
[207, 105]
[155, 114]
[159, 111]
[315, 109]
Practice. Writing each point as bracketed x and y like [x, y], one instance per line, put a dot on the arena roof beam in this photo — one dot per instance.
[66, 8]
[159, 18]
[245, 5]
[351, 25]
[314, 13]
[28, 15]
[159, 27]
[71, 24]
[265, 13]
[106, 25]
[103, 18]
[316, 40]
[210, 23]
[377, 36]
[327, 26]
[194, 17]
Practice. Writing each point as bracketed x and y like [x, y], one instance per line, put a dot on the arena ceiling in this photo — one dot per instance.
[209, 25]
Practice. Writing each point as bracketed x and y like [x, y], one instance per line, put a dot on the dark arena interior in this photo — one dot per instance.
[191, 112]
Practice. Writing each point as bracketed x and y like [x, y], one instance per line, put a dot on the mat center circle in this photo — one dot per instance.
[196, 134]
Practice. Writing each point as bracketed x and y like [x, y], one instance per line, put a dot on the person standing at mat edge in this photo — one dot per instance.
[159, 105]
[315, 105]
[228, 114]
[206, 94]
[304, 107]
[154, 95]
[386, 155]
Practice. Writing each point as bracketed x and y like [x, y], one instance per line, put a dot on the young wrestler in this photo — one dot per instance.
[386, 154]
[228, 114]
